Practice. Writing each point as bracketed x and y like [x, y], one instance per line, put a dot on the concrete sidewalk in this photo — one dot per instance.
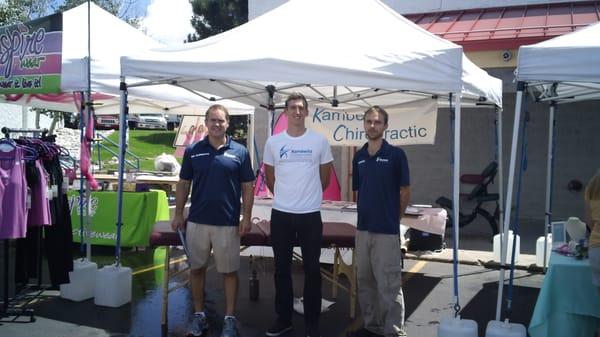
[476, 246]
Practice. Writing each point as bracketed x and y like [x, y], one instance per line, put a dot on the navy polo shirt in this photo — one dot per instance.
[216, 177]
[378, 180]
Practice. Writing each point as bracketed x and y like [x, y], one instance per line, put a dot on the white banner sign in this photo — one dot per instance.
[409, 123]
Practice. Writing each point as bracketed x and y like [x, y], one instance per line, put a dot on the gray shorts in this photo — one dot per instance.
[224, 241]
[594, 254]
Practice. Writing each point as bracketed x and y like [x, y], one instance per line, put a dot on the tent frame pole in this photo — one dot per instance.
[122, 150]
[456, 194]
[499, 141]
[549, 178]
[510, 185]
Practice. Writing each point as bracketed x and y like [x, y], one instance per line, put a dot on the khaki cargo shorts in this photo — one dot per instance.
[224, 241]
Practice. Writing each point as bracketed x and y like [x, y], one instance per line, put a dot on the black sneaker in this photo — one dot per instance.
[279, 328]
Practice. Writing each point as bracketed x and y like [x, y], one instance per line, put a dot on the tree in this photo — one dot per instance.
[215, 16]
[212, 17]
[13, 11]
[111, 6]
[118, 8]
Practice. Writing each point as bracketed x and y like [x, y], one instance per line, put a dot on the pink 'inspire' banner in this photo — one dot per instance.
[30, 56]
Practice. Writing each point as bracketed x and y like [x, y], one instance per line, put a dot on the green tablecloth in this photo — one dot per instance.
[568, 303]
[140, 211]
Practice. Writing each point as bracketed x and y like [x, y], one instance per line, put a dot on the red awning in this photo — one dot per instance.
[508, 27]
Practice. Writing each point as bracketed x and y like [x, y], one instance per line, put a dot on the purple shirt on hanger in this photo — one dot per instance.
[39, 213]
[13, 195]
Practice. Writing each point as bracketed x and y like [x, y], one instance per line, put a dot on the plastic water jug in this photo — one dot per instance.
[82, 281]
[456, 327]
[505, 329]
[113, 286]
[539, 250]
[497, 247]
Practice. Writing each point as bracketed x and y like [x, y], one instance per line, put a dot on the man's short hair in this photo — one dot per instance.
[217, 107]
[296, 96]
[380, 110]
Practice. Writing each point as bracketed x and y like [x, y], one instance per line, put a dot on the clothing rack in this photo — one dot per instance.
[36, 132]
[9, 310]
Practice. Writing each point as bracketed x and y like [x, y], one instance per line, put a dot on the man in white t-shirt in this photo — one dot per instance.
[297, 166]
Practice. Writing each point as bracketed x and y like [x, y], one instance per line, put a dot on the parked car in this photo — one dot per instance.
[107, 122]
[147, 121]
[173, 121]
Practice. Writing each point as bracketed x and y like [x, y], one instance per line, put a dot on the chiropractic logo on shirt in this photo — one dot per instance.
[383, 160]
[361, 162]
[287, 154]
[283, 152]
[231, 156]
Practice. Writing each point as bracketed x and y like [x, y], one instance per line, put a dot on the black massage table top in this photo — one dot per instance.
[335, 234]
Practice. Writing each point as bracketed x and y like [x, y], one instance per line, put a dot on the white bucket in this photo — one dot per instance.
[497, 247]
[456, 327]
[539, 250]
[113, 286]
[505, 329]
[82, 281]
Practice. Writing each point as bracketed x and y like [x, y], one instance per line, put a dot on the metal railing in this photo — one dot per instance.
[101, 144]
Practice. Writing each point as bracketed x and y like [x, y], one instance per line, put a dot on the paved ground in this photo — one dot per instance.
[428, 293]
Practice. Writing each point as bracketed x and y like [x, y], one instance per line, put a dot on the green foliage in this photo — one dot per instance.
[13, 11]
[111, 6]
[212, 17]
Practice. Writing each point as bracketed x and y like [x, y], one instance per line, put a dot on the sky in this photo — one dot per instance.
[167, 21]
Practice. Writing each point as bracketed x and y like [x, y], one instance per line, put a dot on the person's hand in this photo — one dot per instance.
[178, 223]
[245, 226]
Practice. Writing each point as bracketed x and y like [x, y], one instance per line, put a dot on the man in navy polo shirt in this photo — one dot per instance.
[381, 178]
[219, 172]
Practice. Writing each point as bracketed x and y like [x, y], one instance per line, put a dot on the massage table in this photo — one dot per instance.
[336, 235]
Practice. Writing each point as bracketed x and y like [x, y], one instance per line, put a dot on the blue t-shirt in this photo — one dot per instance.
[378, 180]
[216, 177]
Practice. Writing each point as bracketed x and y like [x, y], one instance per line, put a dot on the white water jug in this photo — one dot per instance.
[505, 329]
[539, 250]
[82, 281]
[496, 248]
[113, 286]
[456, 327]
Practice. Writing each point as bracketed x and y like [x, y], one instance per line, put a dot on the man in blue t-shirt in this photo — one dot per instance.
[219, 172]
[380, 176]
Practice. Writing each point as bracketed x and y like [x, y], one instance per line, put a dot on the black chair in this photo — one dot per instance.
[480, 195]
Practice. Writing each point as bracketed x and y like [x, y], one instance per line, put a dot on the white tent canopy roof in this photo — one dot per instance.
[322, 44]
[566, 68]
[110, 39]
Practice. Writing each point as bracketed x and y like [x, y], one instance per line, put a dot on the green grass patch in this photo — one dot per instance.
[146, 144]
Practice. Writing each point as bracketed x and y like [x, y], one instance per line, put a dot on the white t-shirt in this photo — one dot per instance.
[296, 161]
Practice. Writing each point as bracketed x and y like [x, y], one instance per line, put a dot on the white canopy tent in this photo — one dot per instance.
[340, 53]
[560, 70]
[110, 39]
[337, 53]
